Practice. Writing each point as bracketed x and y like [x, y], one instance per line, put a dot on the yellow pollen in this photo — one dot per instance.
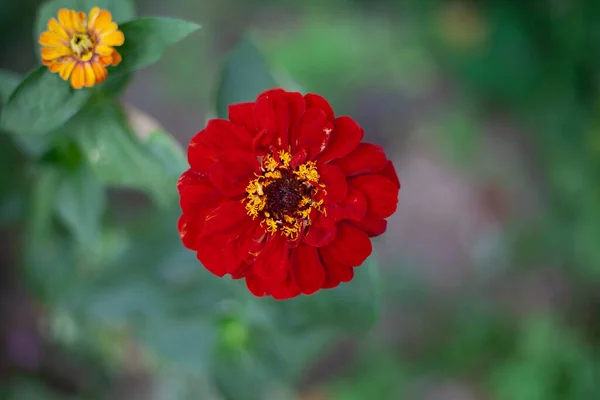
[308, 172]
[293, 192]
[270, 163]
[285, 158]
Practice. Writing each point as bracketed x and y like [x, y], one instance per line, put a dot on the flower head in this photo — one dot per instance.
[81, 47]
[285, 195]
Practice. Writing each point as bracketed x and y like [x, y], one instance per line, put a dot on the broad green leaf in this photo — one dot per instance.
[79, 203]
[41, 103]
[146, 40]
[244, 75]
[121, 10]
[350, 307]
[8, 83]
[120, 159]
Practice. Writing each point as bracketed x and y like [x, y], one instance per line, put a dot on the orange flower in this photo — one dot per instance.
[80, 47]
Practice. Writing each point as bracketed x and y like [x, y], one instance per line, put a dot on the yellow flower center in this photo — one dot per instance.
[284, 196]
[82, 46]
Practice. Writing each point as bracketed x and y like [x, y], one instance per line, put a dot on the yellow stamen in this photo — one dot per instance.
[288, 218]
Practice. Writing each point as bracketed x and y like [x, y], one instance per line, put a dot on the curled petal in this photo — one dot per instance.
[318, 102]
[351, 246]
[307, 269]
[381, 194]
[345, 137]
[366, 158]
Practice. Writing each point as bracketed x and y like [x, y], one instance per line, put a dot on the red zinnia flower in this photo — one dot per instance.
[285, 195]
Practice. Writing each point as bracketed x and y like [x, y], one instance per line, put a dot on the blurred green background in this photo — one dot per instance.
[487, 283]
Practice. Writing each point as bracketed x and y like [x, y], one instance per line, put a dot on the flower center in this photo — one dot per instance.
[82, 45]
[284, 196]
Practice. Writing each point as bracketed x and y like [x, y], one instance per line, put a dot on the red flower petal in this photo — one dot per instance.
[339, 271]
[196, 191]
[285, 290]
[238, 249]
[225, 219]
[210, 253]
[353, 207]
[273, 262]
[321, 231]
[372, 226]
[381, 194]
[351, 246]
[232, 172]
[307, 269]
[256, 286]
[390, 172]
[311, 133]
[334, 181]
[222, 134]
[330, 281]
[272, 115]
[345, 137]
[201, 156]
[189, 230]
[296, 105]
[243, 114]
[318, 102]
[366, 158]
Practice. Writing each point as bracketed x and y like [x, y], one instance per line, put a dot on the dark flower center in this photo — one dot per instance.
[283, 196]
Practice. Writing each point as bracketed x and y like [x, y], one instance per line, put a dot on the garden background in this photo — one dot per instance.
[485, 286]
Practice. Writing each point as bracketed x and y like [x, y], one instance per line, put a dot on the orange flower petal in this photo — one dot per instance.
[64, 17]
[114, 38]
[100, 72]
[102, 20]
[116, 58]
[47, 63]
[55, 66]
[106, 60]
[108, 28]
[66, 69]
[52, 53]
[104, 50]
[77, 21]
[93, 15]
[89, 75]
[78, 77]
[55, 27]
[51, 39]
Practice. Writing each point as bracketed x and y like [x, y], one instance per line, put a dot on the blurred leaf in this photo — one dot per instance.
[79, 203]
[244, 75]
[185, 344]
[41, 103]
[8, 83]
[48, 256]
[147, 39]
[121, 11]
[350, 307]
[167, 152]
[120, 159]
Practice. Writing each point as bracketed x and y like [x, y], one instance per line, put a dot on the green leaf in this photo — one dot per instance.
[41, 103]
[350, 307]
[79, 203]
[146, 39]
[245, 74]
[121, 10]
[8, 83]
[120, 159]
